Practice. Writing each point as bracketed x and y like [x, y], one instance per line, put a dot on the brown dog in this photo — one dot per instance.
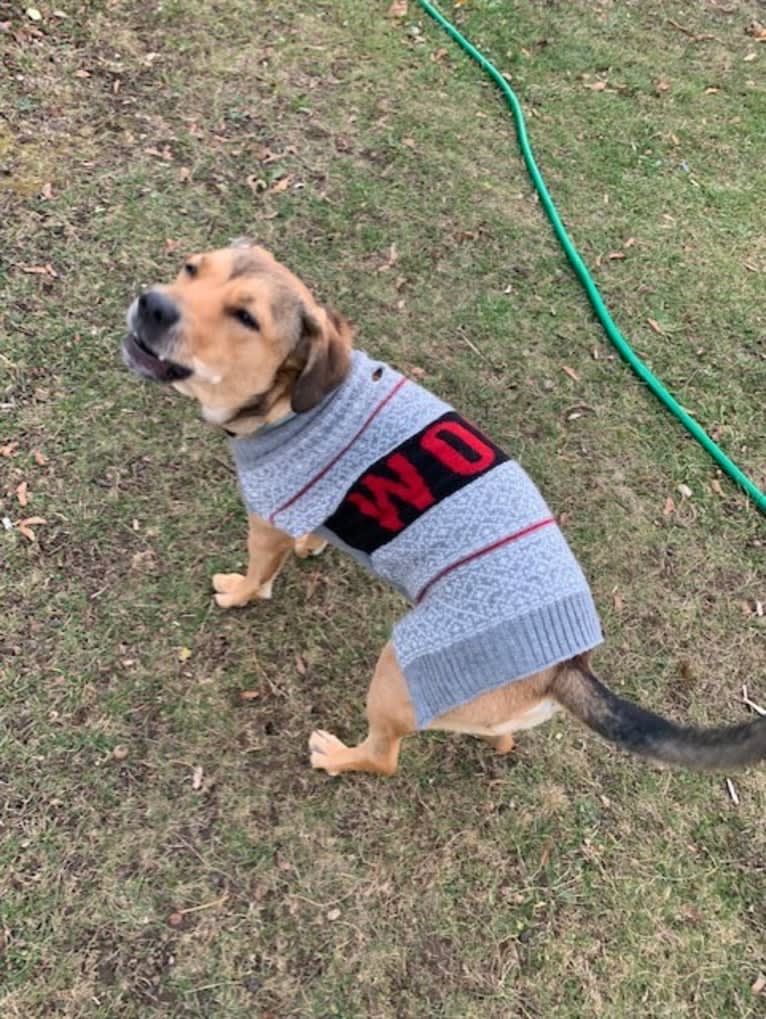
[242, 335]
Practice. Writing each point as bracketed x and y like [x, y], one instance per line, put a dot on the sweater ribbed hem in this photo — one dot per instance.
[511, 650]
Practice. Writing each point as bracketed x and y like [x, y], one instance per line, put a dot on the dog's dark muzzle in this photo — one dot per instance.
[151, 320]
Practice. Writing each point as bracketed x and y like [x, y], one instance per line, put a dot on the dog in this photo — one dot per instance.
[332, 445]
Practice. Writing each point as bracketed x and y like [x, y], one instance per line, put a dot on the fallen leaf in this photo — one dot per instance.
[300, 665]
[120, 752]
[22, 494]
[711, 90]
[9, 449]
[618, 602]
[25, 526]
[281, 185]
[40, 270]
[184, 654]
[171, 246]
[40, 458]
[439, 55]
[333, 914]
[669, 507]
[409, 142]
[46, 192]
[184, 174]
[197, 777]
[176, 919]
[750, 58]
[662, 85]
[759, 984]
[685, 491]
[81, 73]
[570, 372]
[655, 325]
[595, 86]
[715, 484]
[33, 14]
[398, 9]
[248, 695]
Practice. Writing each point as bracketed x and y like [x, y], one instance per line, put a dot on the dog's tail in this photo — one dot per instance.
[642, 732]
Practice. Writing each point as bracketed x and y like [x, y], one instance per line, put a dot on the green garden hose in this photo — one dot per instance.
[614, 334]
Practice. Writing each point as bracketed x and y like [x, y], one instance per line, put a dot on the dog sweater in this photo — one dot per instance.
[390, 473]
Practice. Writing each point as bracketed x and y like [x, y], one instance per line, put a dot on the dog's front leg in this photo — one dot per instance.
[267, 549]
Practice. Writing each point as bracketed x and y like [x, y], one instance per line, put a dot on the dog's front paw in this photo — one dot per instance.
[234, 590]
[326, 751]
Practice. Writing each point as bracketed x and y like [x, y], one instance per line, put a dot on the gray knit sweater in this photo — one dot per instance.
[389, 472]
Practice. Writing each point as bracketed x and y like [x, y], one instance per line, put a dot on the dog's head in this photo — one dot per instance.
[239, 332]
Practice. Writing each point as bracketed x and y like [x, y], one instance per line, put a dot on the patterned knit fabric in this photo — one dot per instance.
[390, 473]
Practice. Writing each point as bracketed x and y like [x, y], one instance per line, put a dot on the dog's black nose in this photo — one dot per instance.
[157, 313]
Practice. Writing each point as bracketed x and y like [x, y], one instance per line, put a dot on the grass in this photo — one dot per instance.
[566, 882]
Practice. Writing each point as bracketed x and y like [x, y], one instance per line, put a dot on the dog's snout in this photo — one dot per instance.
[157, 312]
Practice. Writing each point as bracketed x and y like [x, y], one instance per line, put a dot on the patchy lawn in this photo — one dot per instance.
[369, 154]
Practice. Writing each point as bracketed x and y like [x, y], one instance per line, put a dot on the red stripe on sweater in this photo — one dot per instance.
[317, 477]
[482, 552]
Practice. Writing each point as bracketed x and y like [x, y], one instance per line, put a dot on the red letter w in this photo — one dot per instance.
[410, 488]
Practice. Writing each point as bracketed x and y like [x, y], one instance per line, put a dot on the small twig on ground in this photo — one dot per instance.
[751, 704]
[694, 36]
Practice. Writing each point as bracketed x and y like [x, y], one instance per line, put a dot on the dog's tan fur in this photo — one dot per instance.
[298, 351]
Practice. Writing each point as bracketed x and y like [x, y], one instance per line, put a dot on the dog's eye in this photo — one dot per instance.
[243, 315]
[191, 269]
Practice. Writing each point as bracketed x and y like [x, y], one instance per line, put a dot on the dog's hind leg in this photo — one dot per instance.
[267, 549]
[391, 717]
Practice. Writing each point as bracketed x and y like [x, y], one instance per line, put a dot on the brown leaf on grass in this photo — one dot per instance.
[570, 372]
[409, 142]
[25, 526]
[398, 9]
[669, 507]
[711, 90]
[9, 449]
[281, 185]
[758, 986]
[170, 246]
[184, 654]
[120, 752]
[595, 86]
[715, 485]
[248, 695]
[300, 665]
[40, 270]
[197, 776]
[685, 491]
[184, 174]
[618, 602]
[175, 919]
[438, 56]
[22, 493]
[81, 73]
[46, 192]
[655, 326]
[662, 85]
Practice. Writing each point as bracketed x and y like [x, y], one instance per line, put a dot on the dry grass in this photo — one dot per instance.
[567, 882]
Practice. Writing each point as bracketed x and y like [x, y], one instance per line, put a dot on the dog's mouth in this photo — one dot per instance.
[140, 359]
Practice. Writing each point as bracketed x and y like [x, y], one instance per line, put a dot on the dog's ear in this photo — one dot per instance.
[325, 343]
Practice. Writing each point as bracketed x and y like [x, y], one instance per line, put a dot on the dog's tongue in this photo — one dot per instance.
[144, 362]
